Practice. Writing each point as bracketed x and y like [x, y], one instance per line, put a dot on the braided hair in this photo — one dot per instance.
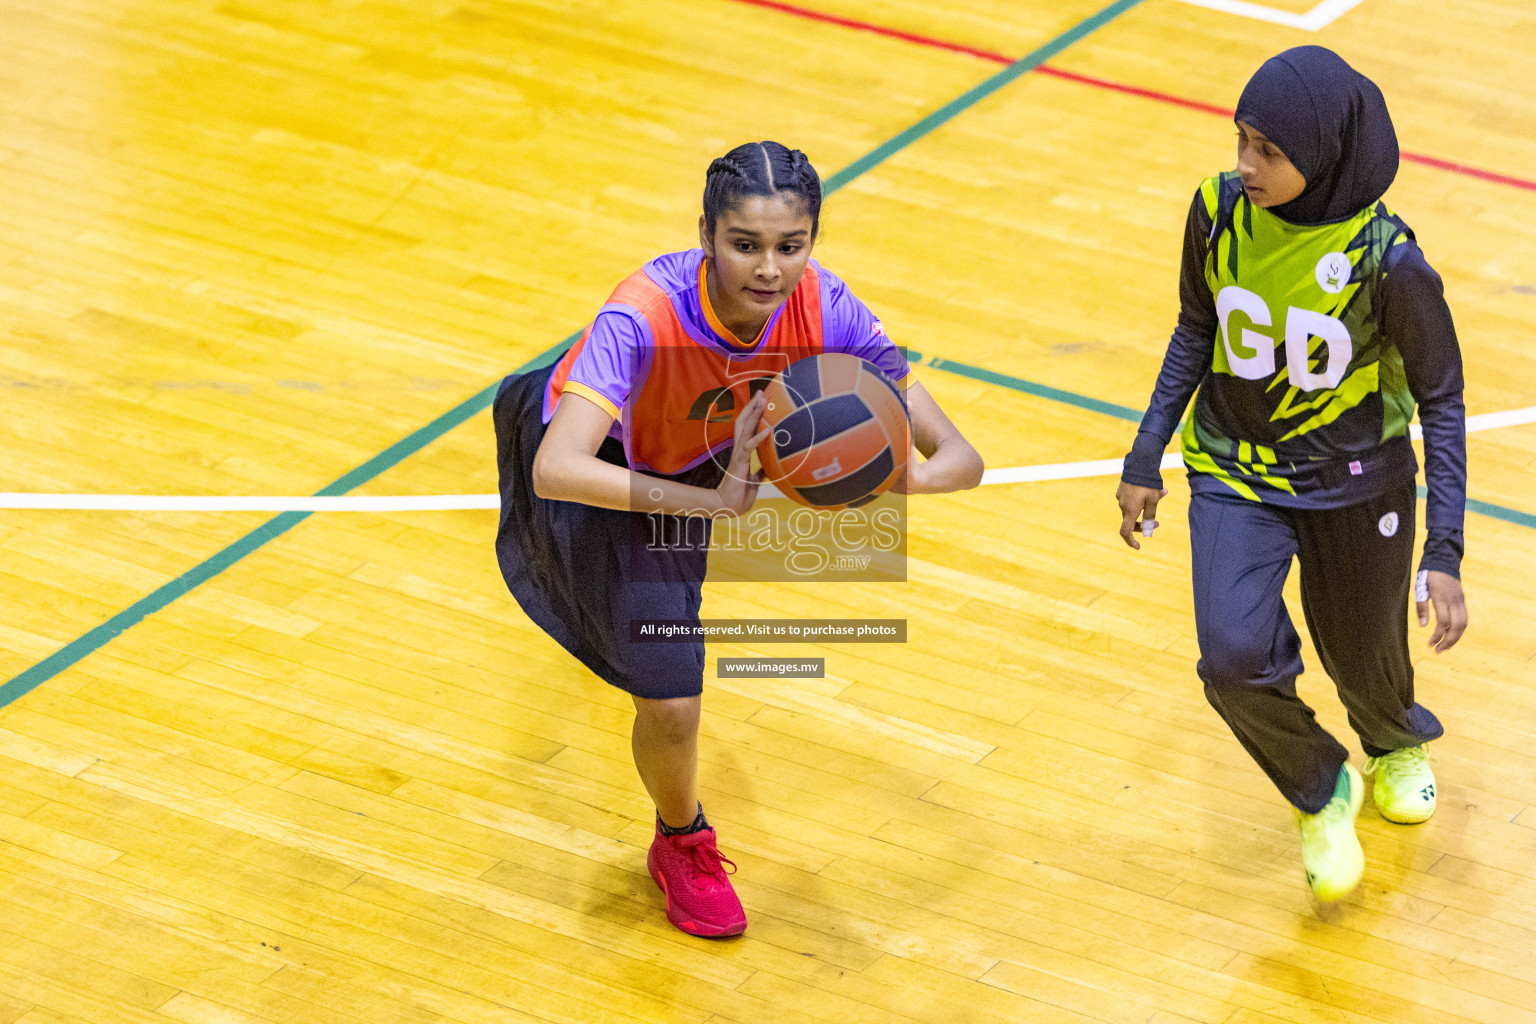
[760, 169]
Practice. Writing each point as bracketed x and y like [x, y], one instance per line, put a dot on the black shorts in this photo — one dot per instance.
[582, 573]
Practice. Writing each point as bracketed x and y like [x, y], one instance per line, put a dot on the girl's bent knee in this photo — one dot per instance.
[675, 719]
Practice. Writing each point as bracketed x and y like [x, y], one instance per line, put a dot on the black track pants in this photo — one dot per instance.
[1356, 580]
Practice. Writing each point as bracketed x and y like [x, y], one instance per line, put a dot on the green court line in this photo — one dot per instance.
[93, 640]
[273, 528]
[1022, 66]
[1487, 508]
[1029, 387]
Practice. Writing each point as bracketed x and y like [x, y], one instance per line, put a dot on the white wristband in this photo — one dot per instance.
[1421, 586]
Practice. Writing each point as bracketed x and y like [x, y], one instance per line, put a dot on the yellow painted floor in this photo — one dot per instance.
[250, 245]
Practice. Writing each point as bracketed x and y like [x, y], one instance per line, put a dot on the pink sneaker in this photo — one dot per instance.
[692, 876]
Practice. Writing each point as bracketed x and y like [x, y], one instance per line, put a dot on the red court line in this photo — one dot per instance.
[1103, 83]
[1134, 90]
[1471, 172]
[879, 30]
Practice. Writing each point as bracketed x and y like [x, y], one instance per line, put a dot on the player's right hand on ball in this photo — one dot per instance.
[1138, 505]
[738, 490]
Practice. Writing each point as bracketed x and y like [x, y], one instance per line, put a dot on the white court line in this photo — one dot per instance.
[217, 503]
[1494, 420]
[1323, 14]
[1066, 470]
[462, 502]
[1111, 467]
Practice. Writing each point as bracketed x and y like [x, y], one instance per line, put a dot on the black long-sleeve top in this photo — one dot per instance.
[1413, 317]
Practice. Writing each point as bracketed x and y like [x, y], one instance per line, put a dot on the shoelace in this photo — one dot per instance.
[706, 860]
[1407, 761]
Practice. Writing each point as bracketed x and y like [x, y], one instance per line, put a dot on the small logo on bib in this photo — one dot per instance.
[1333, 272]
[1388, 524]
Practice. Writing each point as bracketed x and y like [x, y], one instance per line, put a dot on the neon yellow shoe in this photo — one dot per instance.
[1330, 850]
[1405, 785]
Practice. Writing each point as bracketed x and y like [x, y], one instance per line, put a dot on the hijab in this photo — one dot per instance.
[1332, 123]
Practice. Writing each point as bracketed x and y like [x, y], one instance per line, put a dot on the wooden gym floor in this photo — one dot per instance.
[334, 774]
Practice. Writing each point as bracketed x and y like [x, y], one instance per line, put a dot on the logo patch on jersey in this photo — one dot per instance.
[1387, 524]
[879, 330]
[1333, 272]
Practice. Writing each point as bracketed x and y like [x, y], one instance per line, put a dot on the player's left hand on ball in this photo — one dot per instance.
[738, 489]
[1444, 592]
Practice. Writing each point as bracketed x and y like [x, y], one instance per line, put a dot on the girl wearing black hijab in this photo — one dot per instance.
[1312, 325]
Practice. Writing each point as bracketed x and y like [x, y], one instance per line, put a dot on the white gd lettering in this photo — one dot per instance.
[1300, 326]
[1262, 363]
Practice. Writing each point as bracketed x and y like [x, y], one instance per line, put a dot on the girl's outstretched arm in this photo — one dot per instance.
[951, 463]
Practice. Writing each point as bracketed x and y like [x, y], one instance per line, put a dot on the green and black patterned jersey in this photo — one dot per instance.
[1310, 346]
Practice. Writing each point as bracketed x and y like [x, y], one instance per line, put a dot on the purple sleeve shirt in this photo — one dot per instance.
[852, 328]
[613, 352]
[616, 351]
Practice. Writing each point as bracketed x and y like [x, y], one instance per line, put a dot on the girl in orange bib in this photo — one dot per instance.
[647, 426]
